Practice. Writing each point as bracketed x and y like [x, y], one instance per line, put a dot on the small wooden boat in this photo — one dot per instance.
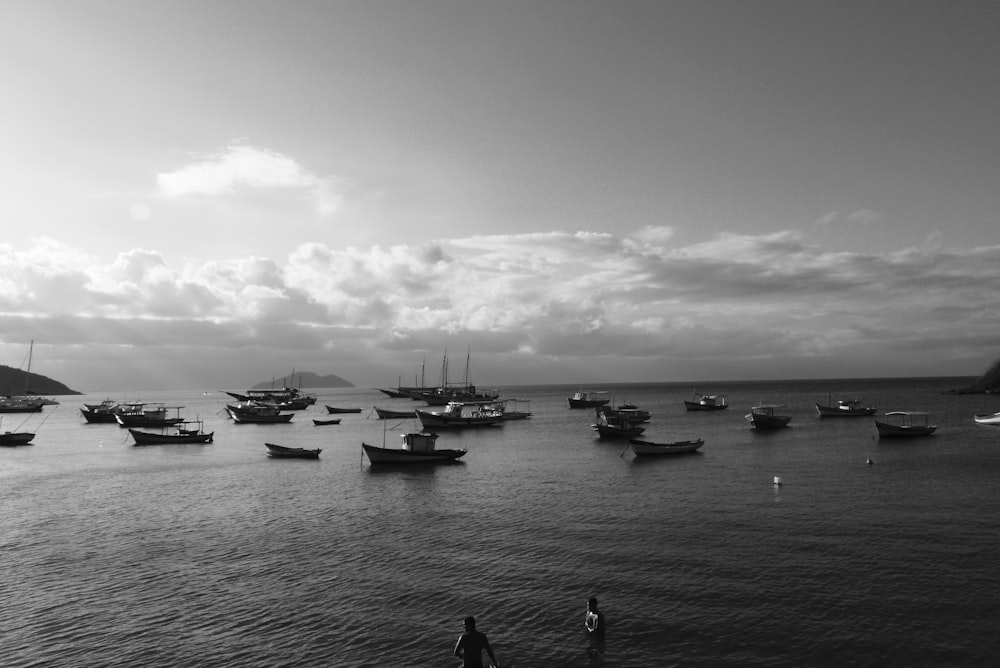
[284, 452]
[845, 408]
[583, 399]
[988, 419]
[254, 413]
[643, 448]
[15, 438]
[416, 449]
[904, 423]
[515, 409]
[390, 414]
[323, 423]
[333, 410]
[706, 402]
[763, 417]
[615, 426]
[180, 435]
[103, 412]
[147, 415]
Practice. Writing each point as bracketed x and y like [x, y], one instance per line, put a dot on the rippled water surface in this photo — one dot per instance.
[216, 555]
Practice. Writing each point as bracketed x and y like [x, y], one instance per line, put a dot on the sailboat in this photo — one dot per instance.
[24, 403]
[465, 393]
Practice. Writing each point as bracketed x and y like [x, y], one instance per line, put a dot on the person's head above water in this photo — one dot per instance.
[470, 623]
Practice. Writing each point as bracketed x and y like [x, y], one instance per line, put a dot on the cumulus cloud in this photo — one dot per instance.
[240, 165]
[621, 299]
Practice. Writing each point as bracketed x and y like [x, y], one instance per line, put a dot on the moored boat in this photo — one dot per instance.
[416, 449]
[180, 435]
[285, 452]
[391, 414]
[15, 438]
[254, 413]
[323, 423]
[706, 402]
[593, 399]
[897, 424]
[987, 419]
[138, 414]
[763, 417]
[459, 415]
[333, 410]
[617, 426]
[845, 408]
[103, 412]
[643, 448]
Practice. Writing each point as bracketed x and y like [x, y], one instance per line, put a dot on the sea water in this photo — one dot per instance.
[216, 555]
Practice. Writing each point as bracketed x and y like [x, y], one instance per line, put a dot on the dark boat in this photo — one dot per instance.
[103, 412]
[181, 435]
[763, 417]
[615, 426]
[253, 413]
[645, 448]
[416, 449]
[15, 438]
[323, 423]
[146, 415]
[333, 410]
[706, 402]
[899, 424]
[845, 408]
[390, 414]
[284, 452]
[583, 399]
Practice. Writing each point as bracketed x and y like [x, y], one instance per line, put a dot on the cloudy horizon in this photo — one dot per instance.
[202, 195]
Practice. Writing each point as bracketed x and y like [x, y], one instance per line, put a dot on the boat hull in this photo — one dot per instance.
[845, 411]
[377, 455]
[902, 431]
[609, 431]
[15, 438]
[285, 452]
[988, 419]
[698, 406]
[146, 438]
[333, 410]
[322, 423]
[252, 417]
[768, 422]
[389, 414]
[649, 448]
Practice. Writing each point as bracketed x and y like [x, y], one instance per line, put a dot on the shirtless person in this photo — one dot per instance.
[594, 621]
[471, 644]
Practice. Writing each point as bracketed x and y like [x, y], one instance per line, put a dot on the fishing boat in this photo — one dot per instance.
[390, 414]
[333, 410]
[763, 417]
[103, 412]
[904, 423]
[594, 399]
[629, 412]
[643, 448]
[448, 393]
[15, 438]
[706, 402]
[395, 394]
[845, 408]
[286, 398]
[615, 427]
[285, 452]
[180, 435]
[254, 413]
[458, 415]
[987, 419]
[145, 415]
[515, 409]
[323, 423]
[416, 449]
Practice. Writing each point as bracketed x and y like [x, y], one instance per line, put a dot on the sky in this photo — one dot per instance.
[212, 193]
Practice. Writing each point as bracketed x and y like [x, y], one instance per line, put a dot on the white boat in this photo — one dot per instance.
[988, 419]
[706, 402]
[416, 449]
[904, 423]
[459, 415]
[644, 448]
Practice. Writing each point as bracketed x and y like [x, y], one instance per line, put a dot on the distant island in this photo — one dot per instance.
[304, 380]
[988, 383]
[16, 382]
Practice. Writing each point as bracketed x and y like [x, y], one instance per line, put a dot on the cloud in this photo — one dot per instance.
[243, 166]
[628, 304]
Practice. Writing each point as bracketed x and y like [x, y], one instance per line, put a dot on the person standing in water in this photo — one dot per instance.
[594, 621]
[471, 644]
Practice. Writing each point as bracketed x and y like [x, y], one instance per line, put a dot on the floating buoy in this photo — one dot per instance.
[777, 480]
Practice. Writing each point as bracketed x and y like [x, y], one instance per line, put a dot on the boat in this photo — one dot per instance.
[15, 438]
[333, 410]
[515, 409]
[904, 423]
[643, 448]
[254, 413]
[138, 414]
[460, 415]
[629, 412]
[583, 399]
[103, 412]
[609, 427]
[323, 423]
[416, 449]
[286, 398]
[390, 414]
[284, 452]
[763, 417]
[706, 402]
[180, 435]
[447, 393]
[394, 394]
[845, 408]
[988, 419]
[28, 402]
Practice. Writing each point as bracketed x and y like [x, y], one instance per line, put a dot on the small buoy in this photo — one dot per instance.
[869, 461]
[777, 480]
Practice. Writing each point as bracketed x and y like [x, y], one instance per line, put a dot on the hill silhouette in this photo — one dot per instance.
[15, 382]
[304, 379]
